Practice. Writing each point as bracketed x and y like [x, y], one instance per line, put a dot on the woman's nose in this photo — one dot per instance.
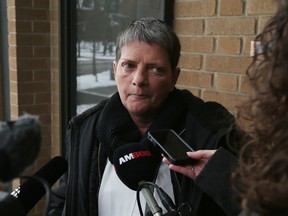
[140, 77]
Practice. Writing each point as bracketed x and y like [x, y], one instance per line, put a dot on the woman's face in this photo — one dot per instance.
[144, 78]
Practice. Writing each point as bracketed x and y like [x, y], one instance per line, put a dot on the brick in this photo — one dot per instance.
[231, 26]
[13, 87]
[244, 85]
[41, 98]
[56, 118]
[228, 100]
[23, 27]
[231, 7]
[262, 22]
[256, 7]
[226, 64]
[11, 26]
[23, 76]
[21, 3]
[13, 98]
[55, 97]
[195, 79]
[54, 53]
[42, 52]
[44, 158]
[43, 75]
[55, 86]
[54, 15]
[189, 26]
[12, 39]
[229, 45]
[41, 4]
[54, 64]
[41, 27]
[54, 4]
[21, 52]
[14, 109]
[26, 99]
[33, 39]
[36, 109]
[33, 64]
[226, 82]
[45, 119]
[196, 8]
[197, 44]
[32, 14]
[13, 51]
[33, 87]
[54, 39]
[247, 45]
[11, 13]
[190, 62]
[54, 28]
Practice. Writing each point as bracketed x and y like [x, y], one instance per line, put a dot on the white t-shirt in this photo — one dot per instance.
[117, 199]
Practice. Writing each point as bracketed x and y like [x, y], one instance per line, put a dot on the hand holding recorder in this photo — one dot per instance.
[192, 170]
[178, 154]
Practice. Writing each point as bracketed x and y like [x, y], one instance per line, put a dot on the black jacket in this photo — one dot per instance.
[206, 126]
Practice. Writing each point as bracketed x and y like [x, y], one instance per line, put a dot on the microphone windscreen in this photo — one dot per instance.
[134, 163]
[20, 143]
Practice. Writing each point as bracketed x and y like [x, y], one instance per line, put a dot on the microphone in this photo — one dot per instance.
[135, 164]
[20, 201]
[20, 142]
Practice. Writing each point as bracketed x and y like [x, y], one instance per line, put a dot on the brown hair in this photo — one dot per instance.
[261, 181]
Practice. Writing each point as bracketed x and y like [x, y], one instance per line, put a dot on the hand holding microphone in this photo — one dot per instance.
[26, 196]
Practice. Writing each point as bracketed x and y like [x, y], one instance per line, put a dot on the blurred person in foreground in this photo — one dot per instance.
[146, 72]
[261, 179]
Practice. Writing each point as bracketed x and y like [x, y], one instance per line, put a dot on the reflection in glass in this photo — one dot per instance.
[99, 22]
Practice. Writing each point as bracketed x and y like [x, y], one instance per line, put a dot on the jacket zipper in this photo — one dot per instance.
[70, 179]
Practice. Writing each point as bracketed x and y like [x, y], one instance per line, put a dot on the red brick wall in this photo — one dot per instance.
[34, 72]
[215, 36]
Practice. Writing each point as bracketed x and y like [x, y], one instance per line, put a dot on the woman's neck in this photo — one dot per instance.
[142, 124]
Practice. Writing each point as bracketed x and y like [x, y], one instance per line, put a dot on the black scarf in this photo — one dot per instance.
[115, 126]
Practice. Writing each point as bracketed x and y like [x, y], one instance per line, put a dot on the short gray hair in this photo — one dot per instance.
[150, 30]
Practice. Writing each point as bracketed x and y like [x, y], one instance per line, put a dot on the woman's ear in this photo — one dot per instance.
[177, 72]
[176, 75]
[114, 67]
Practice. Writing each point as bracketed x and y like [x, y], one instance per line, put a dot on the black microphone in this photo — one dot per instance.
[20, 142]
[26, 196]
[135, 163]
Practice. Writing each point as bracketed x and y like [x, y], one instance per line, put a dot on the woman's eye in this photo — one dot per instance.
[157, 70]
[127, 66]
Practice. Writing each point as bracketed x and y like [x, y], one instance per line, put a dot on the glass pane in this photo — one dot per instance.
[99, 22]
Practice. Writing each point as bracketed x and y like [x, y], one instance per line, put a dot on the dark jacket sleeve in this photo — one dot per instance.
[215, 181]
[57, 199]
